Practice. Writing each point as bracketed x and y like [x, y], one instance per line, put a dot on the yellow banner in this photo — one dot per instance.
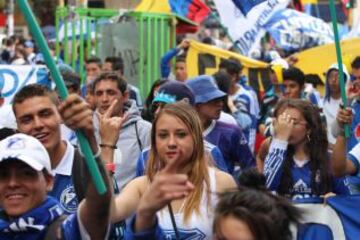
[309, 1]
[318, 59]
[205, 59]
[154, 6]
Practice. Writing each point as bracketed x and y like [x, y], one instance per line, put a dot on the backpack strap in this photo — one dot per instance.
[53, 231]
[138, 137]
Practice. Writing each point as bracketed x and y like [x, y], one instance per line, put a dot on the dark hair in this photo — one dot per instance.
[356, 63]
[72, 80]
[223, 81]
[316, 147]
[314, 79]
[181, 59]
[117, 64]
[6, 132]
[30, 91]
[112, 76]
[268, 216]
[232, 66]
[294, 74]
[147, 113]
[95, 60]
[251, 178]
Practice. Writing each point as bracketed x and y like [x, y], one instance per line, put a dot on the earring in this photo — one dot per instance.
[308, 137]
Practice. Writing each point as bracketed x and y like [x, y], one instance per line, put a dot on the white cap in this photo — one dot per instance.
[26, 149]
[335, 66]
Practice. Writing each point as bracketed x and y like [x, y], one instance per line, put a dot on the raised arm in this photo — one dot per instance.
[273, 165]
[341, 165]
[165, 65]
[94, 210]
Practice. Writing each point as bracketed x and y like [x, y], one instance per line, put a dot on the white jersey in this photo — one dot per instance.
[198, 226]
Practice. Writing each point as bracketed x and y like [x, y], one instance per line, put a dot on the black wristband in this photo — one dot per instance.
[108, 146]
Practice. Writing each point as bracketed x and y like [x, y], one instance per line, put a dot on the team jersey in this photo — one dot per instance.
[232, 144]
[63, 189]
[244, 100]
[352, 142]
[301, 175]
[355, 126]
[217, 157]
[354, 180]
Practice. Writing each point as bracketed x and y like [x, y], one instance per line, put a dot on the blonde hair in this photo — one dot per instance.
[196, 168]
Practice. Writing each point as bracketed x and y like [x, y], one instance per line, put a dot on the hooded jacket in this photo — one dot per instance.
[134, 137]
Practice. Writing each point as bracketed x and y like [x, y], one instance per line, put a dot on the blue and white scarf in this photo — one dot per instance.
[33, 224]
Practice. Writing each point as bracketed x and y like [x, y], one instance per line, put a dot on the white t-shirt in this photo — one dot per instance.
[7, 117]
[330, 109]
[227, 118]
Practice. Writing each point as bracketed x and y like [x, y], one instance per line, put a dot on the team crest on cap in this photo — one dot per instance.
[16, 143]
[164, 97]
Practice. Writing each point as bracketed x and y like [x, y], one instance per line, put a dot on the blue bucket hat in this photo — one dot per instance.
[174, 91]
[205, 89]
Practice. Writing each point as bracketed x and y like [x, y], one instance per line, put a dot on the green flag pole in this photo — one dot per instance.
[340, 62]
[40, 40]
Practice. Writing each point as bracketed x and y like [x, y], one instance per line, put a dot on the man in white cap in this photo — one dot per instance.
[28, 212]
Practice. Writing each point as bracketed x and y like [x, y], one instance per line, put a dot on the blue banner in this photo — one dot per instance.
[13, 78]
[246, 6]
[293, 30]
[339, 219]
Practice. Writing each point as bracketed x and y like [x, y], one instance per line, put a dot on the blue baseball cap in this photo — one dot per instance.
[205, 89]
[174, 91]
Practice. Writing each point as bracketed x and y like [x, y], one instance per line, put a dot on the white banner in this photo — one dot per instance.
[13, 78]
[246, 31]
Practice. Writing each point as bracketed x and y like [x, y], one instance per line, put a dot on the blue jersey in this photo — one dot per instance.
[216, 154]
[301, 175]
[232, 144]
[355, 126]
[63, 189]
[64, 192]
[354, 180]
[246, 101]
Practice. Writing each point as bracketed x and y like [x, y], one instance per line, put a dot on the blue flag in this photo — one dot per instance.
[246, 6]
[339, 219]
[293, 30]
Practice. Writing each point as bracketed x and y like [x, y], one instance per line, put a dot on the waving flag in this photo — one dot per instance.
[337, 220]
[245, 20]
[246, 6]
[294, 30]
[194, 10]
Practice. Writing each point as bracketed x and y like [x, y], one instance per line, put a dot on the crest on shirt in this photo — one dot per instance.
[68, 199]
[191, 234]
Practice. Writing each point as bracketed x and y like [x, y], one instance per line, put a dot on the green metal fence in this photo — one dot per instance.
[156, 33]
[70, 17]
